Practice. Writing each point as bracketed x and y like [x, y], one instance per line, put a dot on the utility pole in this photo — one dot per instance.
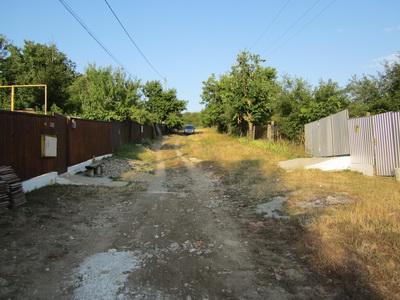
[165, 83]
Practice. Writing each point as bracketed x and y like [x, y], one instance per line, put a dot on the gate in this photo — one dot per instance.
[375, 141]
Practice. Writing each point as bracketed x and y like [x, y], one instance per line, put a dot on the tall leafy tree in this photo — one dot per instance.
[217, 111]
[242, 98]
[104, 93]
[192, 118]
[37, 64]
[164, 104]
[375, 94]
[10, 67]
[329, 98]
[252, 87]
[291, 106]
[298, 104]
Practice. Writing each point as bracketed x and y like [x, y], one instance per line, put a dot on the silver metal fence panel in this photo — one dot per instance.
[361, 141]
[385, 143]
[396, 134]
[328, 136]
[312, 138]
[340, 133]
[325, 137]
[316, 142]
[308, 138]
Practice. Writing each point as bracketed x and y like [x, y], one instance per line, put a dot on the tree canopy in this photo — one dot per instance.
[105, 94]
[247, 95]
[35, 63]
[241, 98]
[101, 93]
[250, 94]
[165, 105]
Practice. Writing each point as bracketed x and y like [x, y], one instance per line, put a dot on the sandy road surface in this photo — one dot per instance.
[178, 234]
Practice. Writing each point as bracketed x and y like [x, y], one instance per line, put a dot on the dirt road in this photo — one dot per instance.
[181, 233]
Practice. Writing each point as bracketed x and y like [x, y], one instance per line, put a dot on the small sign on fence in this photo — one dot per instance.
[49, 146]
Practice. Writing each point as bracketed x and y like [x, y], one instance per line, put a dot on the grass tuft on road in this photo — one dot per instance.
[359, 242]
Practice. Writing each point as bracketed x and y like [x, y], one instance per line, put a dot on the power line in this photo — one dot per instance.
[316, 2]
[137, 47]
[302, 28]
[94, 36]
[270, 24]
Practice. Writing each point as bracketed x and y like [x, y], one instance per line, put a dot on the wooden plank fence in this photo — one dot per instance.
[77, 140]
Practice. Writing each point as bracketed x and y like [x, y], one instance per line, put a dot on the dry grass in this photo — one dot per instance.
[364, 234]
[359, 241]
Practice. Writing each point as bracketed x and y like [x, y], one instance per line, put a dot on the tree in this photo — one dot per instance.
[375, 94]
[242, 98]
[164, 104]
[105, 94]
[36, 64]
[252, 87]
[390, 79]
[329, 98]
[10, 64]
[290, 106]
[217, 112]
[192, 118]
[298, 104]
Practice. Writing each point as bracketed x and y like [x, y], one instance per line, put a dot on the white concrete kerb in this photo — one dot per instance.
[50, 178]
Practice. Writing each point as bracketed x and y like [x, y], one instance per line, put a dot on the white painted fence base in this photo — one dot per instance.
[50, 178]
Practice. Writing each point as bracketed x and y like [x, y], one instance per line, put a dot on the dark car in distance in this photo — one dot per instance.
[189, 129]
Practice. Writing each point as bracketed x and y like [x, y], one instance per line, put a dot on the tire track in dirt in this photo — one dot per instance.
[185, 237]
[192, 251]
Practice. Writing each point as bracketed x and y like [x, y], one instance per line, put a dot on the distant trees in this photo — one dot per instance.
[375, 94]
[35, 64]
[164, 104]
[242, 98]
[251, 95]
[101, 93]
[298, 104]
[104, 93]
[192, 118]
[248, 95]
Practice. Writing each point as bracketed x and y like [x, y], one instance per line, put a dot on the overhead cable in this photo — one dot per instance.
[94, 36]
[302, 16]
[137, 47]
[302, 28]
[270, 24]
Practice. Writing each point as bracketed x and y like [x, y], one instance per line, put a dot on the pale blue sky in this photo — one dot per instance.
[187, 41]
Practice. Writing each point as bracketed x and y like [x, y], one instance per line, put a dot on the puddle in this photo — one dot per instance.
[273, 208]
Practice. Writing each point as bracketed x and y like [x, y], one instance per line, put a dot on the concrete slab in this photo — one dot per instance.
[322, 163]
[80, 179]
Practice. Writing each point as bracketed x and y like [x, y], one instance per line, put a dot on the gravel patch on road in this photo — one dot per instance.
[103, 275]
[115, 167]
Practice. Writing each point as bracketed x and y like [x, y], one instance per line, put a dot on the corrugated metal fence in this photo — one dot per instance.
[372, 141]
[375, 140]
[77, 141]
[328, 136]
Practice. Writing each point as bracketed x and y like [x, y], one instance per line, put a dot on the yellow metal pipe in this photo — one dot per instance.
[45, 99]
[26, 85]
[12, 98]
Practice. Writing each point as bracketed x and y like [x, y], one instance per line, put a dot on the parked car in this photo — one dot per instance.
[189, 129]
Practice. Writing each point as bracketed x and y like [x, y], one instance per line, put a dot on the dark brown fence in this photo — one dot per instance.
[77, 141]
[20, 143]
[87, 138]
[129, 131]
